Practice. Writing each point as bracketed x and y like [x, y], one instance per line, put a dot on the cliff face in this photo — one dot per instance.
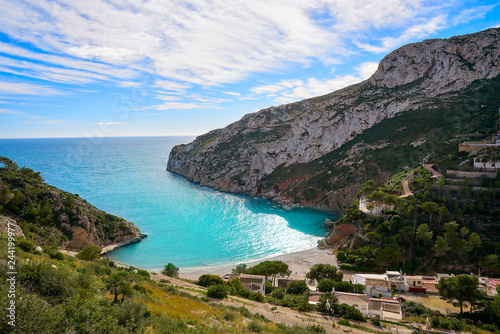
[244, 156]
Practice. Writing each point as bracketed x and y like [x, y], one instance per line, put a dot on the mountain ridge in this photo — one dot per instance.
[242, 156]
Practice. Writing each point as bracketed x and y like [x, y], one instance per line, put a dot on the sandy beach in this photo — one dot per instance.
[299, 263]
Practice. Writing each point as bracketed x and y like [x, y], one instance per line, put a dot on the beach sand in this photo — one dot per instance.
[299, 263]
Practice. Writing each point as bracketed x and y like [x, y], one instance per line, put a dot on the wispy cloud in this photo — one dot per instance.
[14, 88]
[291, 90]
[206, 43]
[108, 123]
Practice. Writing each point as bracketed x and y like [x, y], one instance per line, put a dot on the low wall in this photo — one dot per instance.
[470, 175]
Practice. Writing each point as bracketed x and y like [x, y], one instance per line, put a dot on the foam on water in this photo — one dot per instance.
[186, 224]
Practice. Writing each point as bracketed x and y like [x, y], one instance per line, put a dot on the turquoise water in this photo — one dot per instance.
[186, 224]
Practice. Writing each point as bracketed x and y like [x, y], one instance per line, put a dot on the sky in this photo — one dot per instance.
[93, 68]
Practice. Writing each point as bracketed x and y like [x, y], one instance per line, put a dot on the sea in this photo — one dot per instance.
[186, 224]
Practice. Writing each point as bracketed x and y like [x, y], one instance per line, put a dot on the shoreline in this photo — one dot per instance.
[299, 263]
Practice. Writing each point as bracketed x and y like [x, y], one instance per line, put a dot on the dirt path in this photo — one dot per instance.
[435, 173]
[281, 314]
[406, 189]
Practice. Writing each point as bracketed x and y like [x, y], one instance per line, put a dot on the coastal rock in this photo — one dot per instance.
[10, 225]
[246, 155]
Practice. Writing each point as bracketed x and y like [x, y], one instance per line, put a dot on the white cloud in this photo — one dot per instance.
[470, 14]
[293, 90]
[26, 89]
[54, 122]
[232, 93]
[10, 112]
[367, 69]
[177, 106]
[172, 86]
[128, 84]
[202, 42]
[108, 123]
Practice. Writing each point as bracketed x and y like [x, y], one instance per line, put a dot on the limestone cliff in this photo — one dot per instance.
[247, 155]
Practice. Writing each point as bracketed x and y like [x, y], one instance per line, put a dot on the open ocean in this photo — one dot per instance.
[186, 224]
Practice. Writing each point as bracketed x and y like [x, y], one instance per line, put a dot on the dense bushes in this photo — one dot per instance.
[217, 291]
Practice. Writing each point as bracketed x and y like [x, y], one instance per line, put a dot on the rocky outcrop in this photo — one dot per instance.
[244, 155]
[9, 225]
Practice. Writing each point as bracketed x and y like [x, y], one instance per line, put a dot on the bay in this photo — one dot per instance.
[186, 224]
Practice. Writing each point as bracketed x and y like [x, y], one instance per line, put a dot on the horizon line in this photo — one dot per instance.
[92, 137]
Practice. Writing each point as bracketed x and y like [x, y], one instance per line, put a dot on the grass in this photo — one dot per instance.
[438, 303]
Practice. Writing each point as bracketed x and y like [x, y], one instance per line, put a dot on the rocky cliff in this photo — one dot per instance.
[271, 153]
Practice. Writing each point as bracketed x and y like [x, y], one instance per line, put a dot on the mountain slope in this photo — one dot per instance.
[272, 153]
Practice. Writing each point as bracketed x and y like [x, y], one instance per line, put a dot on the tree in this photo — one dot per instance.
[474, 242]
[424, 235]
[8, 164]
[117, 284]
[443, 211]
[270, 268]
[461, 290]
[240, 269]
[326, 285]
[89, 253]
[430, 207]
[327, 303]
[441, 247]
[297, 288]
[321, 271]
[346, 286]
[171, 270]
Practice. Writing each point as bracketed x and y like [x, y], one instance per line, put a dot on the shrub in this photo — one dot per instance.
[326, 285]
[375, 320]
[268, 287]
[228, 316]
[170, 270]
[316, 329]
[245, 312]
[89, 253]
[297, 288]
[344, 322]
[217, 291]
[254, 327]
[341, 256]
[278, 293]
[144, 273]
[208, 280]
[26, 245]
[349, 312]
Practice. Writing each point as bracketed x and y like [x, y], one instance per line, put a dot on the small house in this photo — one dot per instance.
[254, 283]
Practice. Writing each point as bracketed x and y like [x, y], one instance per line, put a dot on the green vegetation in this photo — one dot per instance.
[322, 271]
[49, 216]
[90, 253]
[76, 296]
[438, 126]
[461, 289]
[170, 270]
[435, 229]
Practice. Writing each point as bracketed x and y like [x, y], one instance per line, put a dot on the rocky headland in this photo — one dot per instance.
[318, 152]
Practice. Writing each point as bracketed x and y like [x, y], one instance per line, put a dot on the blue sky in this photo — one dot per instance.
[143, 68]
